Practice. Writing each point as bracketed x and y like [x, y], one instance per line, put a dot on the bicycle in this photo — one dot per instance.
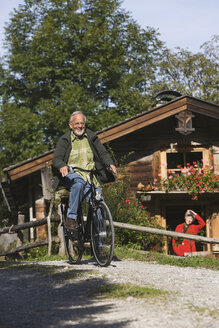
[95, 228]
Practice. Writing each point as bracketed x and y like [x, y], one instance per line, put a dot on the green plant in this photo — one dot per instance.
[115, 193]
[129, 210]
[133, 212]
[41, 253]
[194, 179]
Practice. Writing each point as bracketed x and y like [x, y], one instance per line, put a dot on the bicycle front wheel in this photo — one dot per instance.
[102, 234]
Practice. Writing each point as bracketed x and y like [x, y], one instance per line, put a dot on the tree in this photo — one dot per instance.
[20, 136]
[67, 55]
[192, 74]
[77, 55]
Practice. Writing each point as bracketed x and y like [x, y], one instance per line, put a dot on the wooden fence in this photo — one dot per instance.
[27, 225]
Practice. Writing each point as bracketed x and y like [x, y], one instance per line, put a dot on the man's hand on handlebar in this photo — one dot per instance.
[113, 168]
[64, 171]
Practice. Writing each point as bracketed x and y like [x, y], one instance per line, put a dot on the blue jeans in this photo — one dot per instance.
[78, 188]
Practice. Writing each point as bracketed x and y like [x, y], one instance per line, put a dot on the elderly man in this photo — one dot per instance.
[82, 148]
[187, 246]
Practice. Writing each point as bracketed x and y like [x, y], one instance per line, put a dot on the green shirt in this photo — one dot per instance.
[82, 156]
[101, 157]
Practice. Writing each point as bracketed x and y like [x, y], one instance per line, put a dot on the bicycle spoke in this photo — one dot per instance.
[73, 241]
[98, 229]
[102, 235]
[73, 246]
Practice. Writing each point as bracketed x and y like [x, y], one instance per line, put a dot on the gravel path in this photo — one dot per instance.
[30, 297]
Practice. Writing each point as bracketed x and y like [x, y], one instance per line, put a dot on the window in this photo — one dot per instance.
[171, 158]
[182, 158]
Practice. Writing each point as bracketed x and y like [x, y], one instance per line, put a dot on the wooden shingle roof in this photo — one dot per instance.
[157, 114]
[22, 169]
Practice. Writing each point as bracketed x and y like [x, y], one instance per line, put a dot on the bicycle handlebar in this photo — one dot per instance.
[80, 169]
[89, 171]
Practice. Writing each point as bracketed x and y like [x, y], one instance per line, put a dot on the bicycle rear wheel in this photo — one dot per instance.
[73, 241]
[73, 247]
[102, 234]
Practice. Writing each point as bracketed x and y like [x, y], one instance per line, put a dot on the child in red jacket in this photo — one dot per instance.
[188, 245]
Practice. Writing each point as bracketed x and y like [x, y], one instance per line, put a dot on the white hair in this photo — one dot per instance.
[75, 113]
[188, 213]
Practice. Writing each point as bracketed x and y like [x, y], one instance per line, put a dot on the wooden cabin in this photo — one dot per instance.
[28, 185]
[183, 129]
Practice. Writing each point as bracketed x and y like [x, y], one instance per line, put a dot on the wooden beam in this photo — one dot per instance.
[143, 120]
[158, 114]
[30, 167]
[46, 178]
[201, 107]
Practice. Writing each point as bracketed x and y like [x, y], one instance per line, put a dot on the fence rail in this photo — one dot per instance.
[26, 225]
[29, 246]
[206, 240]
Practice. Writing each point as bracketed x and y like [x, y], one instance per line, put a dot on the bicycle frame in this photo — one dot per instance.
[92, 202]
[97, 229]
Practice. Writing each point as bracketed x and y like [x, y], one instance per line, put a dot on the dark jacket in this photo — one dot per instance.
[101, 157]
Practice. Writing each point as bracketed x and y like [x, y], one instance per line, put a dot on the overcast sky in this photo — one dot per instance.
[184, 23]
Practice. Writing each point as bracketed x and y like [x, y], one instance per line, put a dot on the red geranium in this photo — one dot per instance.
[192, 179]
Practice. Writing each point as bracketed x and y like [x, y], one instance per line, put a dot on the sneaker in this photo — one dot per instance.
[70, 224]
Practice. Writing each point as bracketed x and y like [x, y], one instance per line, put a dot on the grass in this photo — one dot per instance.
[44, 258]
[120, 253]
[201, 310]
[123, 291]
[194, 261]
[41, 254]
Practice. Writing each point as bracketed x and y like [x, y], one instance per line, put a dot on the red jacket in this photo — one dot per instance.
[187, 245]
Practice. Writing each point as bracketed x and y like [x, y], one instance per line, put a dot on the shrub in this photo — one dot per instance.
[39, 253]
[131, 211]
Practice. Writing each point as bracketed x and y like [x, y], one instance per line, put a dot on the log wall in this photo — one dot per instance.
[141, 150]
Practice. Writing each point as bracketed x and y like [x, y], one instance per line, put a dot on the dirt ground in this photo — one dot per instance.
[62, 296]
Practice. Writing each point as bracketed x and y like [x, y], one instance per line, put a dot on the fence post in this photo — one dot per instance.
[215, 232]
[49, 227]
[60, 234]
[40, 214]
[20, 233]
